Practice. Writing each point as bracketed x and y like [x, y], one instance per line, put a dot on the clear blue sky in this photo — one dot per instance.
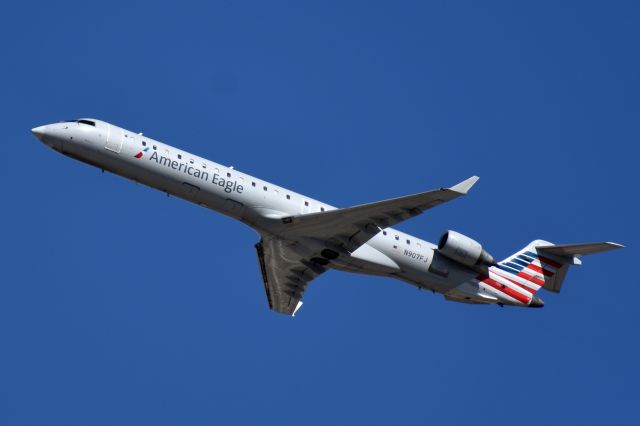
[121, 306]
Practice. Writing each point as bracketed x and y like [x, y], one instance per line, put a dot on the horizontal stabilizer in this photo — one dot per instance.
[542, 264]
[569, 250]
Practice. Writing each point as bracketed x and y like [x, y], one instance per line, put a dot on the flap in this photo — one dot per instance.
[285, 274]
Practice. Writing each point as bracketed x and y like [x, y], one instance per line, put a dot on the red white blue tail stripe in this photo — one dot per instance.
[520, 276]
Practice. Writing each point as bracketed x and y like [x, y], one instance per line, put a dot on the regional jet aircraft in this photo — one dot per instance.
[301, 237]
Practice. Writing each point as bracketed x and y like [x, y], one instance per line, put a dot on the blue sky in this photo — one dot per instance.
[119, 305]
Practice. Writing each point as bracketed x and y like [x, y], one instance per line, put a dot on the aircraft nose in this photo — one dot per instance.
[39, 132]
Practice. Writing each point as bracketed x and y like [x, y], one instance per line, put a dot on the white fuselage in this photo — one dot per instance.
[252, 201]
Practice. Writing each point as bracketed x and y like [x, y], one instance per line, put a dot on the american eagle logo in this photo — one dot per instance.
[141, 153]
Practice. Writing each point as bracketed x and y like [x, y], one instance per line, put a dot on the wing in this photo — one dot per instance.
[285, 274]
[351, 227]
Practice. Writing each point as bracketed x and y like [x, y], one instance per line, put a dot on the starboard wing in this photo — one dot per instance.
[353, 226]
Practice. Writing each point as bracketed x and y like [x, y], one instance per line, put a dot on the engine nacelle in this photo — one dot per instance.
[463, 249]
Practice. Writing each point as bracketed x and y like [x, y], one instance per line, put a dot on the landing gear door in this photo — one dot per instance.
[114, 139]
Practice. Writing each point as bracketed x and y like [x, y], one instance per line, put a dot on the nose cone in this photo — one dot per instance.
[39, 132]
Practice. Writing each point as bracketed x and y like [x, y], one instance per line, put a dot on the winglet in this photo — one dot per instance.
[298, 306]
[614, 245]
[464, 186]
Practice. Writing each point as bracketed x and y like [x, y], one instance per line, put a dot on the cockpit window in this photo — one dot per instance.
[88, 122]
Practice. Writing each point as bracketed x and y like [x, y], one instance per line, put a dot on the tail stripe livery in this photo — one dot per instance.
[532, 277]
[531, 285]
[536, 268]
[519, 286]
[520, 276]
[521, 262]
[520, 282]
[531, 267]
[527, 271]
[505, 289]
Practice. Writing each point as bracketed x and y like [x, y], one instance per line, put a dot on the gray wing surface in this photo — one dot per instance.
[353, 226]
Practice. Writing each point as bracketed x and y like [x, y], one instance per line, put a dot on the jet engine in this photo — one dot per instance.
[463, 249]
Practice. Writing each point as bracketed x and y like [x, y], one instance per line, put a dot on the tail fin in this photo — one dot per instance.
[542, 264]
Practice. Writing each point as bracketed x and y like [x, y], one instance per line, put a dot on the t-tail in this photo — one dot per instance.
[543, 265]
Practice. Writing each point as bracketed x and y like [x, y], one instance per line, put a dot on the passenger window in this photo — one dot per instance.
[155, 147]
[408, 242]
[228, 174]
[253, 184]
[179, 156]
[191, 160]
[321, 209]
[397, 237]
[204, 165]
[264, 187]
[384, 232]
[306, 203]
[288, 197]
[144, 143]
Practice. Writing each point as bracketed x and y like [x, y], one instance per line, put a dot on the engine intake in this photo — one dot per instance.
[463, 249]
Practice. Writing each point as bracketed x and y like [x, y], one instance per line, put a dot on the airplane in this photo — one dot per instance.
[301, 238]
